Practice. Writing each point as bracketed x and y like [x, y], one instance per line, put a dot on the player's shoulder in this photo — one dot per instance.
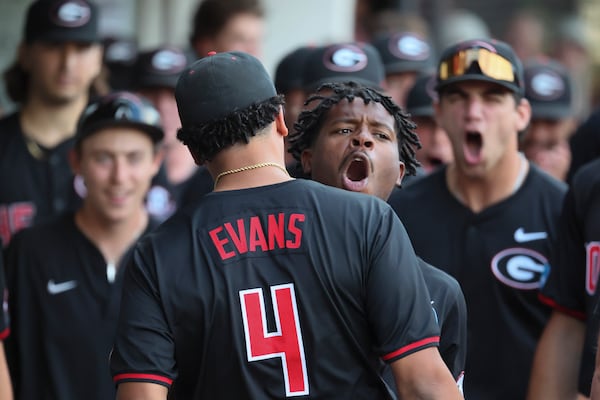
[426, 189]
[9, 127]
[542, 183]
[439, 281]
[588, 174]
[44, 234]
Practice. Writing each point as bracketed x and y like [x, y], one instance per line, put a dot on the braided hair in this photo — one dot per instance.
[206, 140]
[328, 95]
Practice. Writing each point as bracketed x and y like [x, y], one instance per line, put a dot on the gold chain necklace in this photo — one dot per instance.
[248, 168]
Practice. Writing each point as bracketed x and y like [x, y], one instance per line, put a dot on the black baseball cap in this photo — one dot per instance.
[289, 70]
[342, 62]
[219, 84]
[404, 52]
[487, 60]
[549, 90]
[159, 67]
[420, 98]
[62, 21]
[120, 109]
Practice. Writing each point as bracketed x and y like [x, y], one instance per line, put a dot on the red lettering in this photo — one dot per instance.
[240, 242]
[4, 225]
[257, 236]
[220, 243]
[285, 343]
[592, 267]
[15, 217]
[276, 231]
[295, 231]
[22, 216]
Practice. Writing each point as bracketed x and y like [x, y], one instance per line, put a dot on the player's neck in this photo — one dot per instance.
[258, 163]
[50, 124]
[112, 238]
[479, 192]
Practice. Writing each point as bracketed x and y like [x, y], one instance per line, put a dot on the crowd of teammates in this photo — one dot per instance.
[497, 155]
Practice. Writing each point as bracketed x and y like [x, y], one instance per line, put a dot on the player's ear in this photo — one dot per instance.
[159, 156]
[523, 114]
[306, 161]
[402, 171]
[75, 160]
[280, 123]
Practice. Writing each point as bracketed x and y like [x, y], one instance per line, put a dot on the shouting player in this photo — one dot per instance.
[271, 287]
[357, 139]
[65, 276]
[488, 217]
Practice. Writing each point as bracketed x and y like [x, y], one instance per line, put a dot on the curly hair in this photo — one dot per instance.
[206, 140]
[310, 121]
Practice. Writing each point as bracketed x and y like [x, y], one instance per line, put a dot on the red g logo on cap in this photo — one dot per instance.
[71, 14]
[347, 58]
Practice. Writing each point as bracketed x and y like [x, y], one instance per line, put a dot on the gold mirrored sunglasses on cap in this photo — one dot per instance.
[491, 64]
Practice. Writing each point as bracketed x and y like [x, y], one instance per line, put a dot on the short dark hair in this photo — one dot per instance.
[208, 139]
[212, 15]
[306, 129]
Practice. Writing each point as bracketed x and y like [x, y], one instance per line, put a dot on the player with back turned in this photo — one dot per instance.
[271, 287]
[489, 216]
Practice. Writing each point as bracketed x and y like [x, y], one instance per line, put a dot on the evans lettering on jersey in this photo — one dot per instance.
[262, 292]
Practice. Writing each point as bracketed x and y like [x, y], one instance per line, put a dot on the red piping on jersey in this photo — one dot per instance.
[412, 346]
[145, 377]
[4, 334]
[573, 313]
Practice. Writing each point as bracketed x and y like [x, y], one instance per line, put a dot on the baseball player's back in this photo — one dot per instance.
[282, 290]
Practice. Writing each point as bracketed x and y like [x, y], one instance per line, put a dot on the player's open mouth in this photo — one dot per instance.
[356, 172]
[472, 147]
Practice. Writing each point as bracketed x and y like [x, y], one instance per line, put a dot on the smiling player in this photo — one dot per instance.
[65, 276]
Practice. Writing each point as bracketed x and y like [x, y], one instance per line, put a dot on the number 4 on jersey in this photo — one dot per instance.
[285, 342]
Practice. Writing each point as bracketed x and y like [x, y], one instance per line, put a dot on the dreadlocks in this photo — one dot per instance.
[309, 122]
[208, 139]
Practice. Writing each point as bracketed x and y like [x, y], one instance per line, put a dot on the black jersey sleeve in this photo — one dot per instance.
[142, 326]
[4, 323]
[399, 309]
[449, 305]
[562, 289]
[24, 345]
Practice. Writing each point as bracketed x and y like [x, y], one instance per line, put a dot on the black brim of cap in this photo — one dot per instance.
[64, 37]
[407, 66]
[551, 112]
[477, 77]
[341, 79]
[424, 111]
[155, 134]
